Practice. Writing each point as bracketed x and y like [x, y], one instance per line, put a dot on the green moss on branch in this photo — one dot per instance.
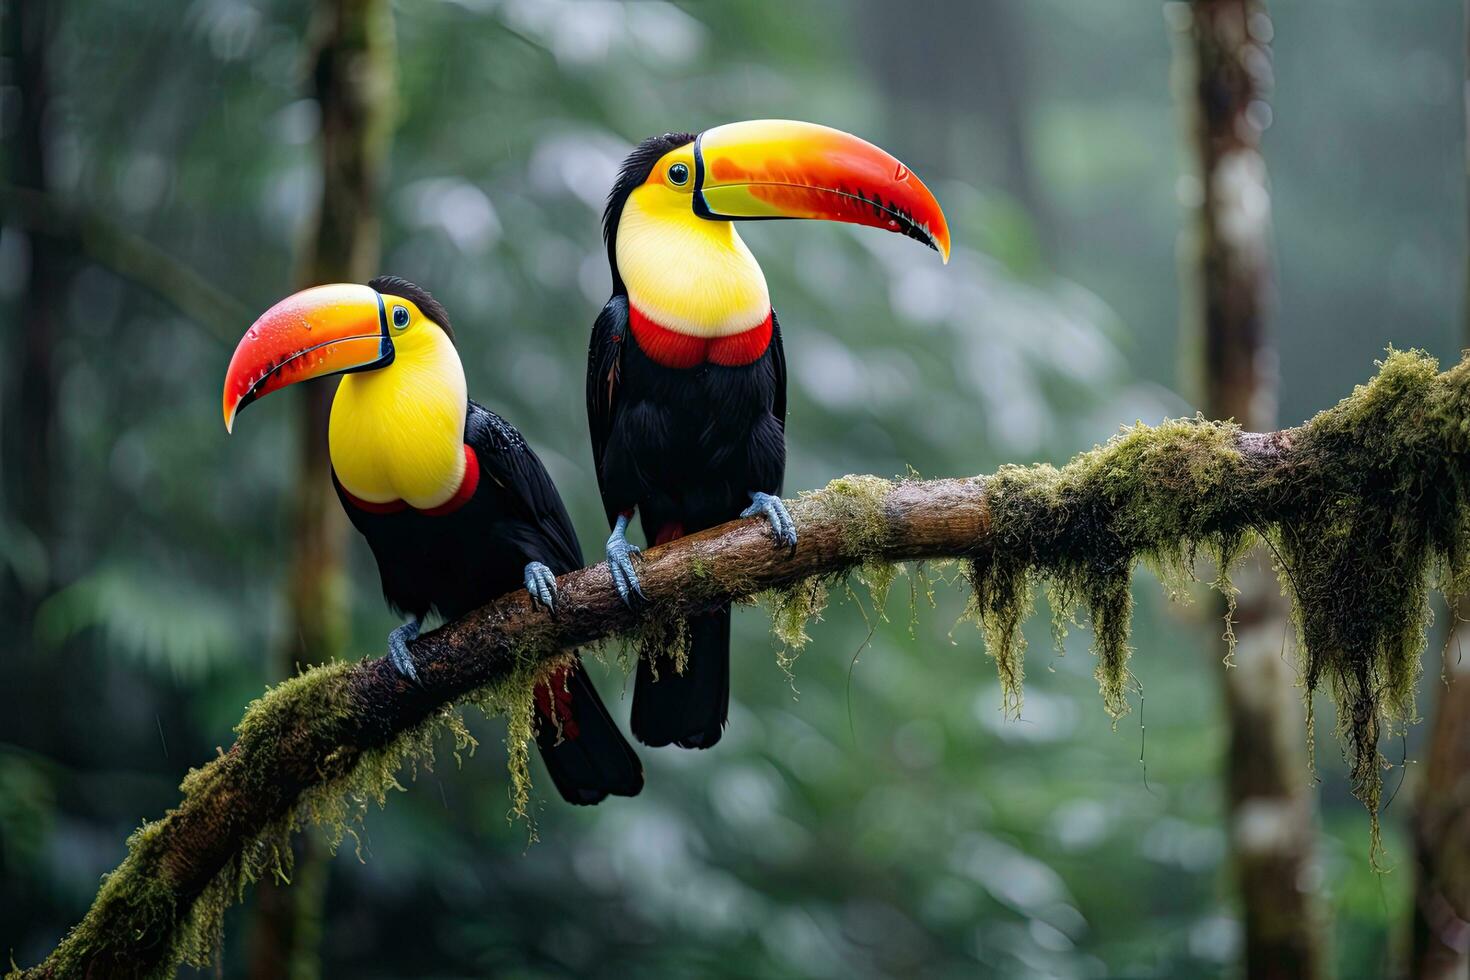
[1365, 507]
[1157, 495]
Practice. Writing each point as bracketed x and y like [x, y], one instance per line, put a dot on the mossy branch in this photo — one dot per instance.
[1367, 507]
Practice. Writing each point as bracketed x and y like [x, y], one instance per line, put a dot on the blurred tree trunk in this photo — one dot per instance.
[990, 97]
[1439, 946]
[29, 417]
[1440, 938]
[353, 77]
[1224, 71]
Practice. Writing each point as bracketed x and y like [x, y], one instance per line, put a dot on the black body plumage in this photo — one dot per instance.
[453, 563]
[686, 447]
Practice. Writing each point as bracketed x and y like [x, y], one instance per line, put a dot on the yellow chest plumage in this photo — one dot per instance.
[690, 275]
[398, 433]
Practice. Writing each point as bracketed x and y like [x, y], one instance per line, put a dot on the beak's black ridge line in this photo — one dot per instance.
[701, 206]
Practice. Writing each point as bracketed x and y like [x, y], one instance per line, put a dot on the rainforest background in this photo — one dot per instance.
[871, 813]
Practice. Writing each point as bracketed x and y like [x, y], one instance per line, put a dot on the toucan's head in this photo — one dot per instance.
[335, 329]
[774, 168]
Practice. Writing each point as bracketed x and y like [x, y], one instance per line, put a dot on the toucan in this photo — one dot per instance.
[686, 376]
[455, 506]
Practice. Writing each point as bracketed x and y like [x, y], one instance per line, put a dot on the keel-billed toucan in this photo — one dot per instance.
[686, 378]
[456, 507]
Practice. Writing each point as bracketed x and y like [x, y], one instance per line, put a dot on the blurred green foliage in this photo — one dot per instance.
[874, 814]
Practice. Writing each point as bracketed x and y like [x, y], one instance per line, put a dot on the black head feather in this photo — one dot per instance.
[634, 171]
[427, 304]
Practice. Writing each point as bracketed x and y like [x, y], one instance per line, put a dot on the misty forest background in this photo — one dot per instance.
[873, 814]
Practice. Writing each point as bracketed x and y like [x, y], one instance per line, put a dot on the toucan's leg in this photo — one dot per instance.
[541, 583]
[783, 528]
[620, 561]
[398, 642]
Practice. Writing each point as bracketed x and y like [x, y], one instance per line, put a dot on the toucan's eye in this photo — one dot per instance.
[400, 317]
[679, 174]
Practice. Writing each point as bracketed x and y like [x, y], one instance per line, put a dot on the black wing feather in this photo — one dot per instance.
[507, 459]
[604, 372]
[778, 368]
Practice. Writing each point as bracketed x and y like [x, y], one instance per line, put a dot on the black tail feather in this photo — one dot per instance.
[688, 709]
[584, 752]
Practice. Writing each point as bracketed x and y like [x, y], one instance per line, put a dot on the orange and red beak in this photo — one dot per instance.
[777, 168]
[317, 332]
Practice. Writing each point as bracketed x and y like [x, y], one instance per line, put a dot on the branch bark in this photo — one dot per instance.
[1152, 492]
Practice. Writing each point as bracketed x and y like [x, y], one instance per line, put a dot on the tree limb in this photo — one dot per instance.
[133, 258]
[1151, 493]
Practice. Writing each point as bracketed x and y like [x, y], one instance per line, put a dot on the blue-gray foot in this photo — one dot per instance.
[398, 642]
[620, 562]
[542, 585]
[783, 528]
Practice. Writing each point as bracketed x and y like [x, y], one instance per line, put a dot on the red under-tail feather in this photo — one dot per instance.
[584, 752]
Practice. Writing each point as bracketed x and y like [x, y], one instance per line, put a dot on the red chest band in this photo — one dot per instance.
[680, 350]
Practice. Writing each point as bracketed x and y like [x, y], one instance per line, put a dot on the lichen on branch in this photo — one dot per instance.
[1365, 508]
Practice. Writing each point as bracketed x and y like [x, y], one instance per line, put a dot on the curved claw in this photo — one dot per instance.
[783, 528]
[620, 563]
[541, 583]
[398, 642]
